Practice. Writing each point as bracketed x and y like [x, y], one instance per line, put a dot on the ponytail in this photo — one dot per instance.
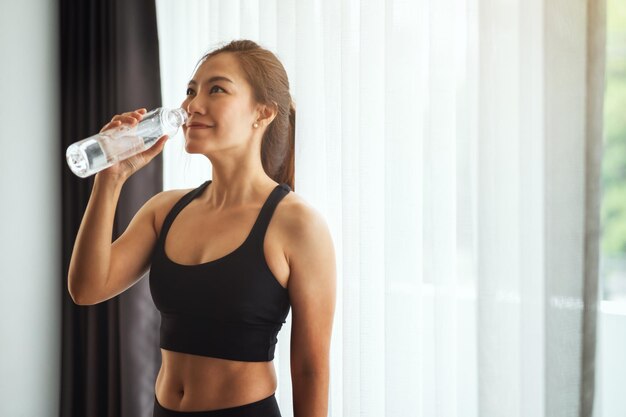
[286, 172]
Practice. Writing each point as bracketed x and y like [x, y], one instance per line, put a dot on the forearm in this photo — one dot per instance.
[89, 264]
[310, 395]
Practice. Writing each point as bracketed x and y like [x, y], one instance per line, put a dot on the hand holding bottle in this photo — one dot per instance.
[125, 144]
[127, 167]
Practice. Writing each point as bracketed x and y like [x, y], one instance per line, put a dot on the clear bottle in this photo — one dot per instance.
[95, 153]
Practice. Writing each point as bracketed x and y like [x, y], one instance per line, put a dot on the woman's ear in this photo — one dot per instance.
[267, 113]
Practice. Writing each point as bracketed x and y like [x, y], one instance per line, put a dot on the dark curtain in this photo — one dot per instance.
[109, 65]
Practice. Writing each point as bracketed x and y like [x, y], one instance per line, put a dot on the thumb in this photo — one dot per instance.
[158, 146]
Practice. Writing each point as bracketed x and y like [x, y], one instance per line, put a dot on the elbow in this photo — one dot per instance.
[78, 301]
[72, 291]
[77, 296]
[75, 299]
[81, 301]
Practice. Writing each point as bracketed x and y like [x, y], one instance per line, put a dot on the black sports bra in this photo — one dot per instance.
[230, 308]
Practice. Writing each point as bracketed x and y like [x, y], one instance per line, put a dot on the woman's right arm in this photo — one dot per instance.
[94, 258]
[100, 270]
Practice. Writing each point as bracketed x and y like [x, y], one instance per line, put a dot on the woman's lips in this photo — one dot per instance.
[199, 127]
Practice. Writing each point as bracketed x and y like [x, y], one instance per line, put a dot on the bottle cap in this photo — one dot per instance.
[175, 118]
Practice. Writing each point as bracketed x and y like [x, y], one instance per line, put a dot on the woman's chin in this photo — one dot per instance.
[194, 146]
[191, 146]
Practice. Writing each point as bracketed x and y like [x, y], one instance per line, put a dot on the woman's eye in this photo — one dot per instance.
[190, 91]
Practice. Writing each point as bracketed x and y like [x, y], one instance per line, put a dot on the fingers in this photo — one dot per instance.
[154, 150]
[158, 147]
[126, 119]
[160, 143]
[118, 122]
[131, 118]
[110, 125]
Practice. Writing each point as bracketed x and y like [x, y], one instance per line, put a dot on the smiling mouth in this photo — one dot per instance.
[199, 127]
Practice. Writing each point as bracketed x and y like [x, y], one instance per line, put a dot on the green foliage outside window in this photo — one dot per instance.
[613, 208]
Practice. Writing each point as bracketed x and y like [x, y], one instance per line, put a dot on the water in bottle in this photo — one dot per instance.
[100, 151]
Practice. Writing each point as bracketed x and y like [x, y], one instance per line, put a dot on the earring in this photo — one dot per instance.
[255, 124]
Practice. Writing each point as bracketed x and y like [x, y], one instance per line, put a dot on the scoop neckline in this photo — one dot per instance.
[218, 260]
[228, 255]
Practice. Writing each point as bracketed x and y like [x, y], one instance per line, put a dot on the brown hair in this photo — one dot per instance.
[269, 82]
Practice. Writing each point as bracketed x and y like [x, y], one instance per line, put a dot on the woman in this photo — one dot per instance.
[227, 259]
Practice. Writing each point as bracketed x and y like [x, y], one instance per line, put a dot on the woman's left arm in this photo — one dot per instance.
[312, 293]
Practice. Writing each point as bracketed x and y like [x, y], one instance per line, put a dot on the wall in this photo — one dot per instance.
[30, 160]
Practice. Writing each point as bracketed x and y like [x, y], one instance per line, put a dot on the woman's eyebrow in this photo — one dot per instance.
[212, 79]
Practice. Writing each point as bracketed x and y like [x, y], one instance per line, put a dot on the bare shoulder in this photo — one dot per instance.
[162, 203]
[294, 212]
[300, 224]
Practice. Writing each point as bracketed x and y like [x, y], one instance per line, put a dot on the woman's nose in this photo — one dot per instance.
[194, 106]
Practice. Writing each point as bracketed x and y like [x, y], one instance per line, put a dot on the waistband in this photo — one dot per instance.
[267, 407]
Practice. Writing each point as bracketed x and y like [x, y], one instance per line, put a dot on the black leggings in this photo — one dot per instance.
[267, 407]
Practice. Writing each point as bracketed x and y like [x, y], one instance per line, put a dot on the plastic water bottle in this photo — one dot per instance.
[95, 153]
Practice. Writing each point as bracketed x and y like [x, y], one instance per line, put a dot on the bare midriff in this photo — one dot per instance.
[198, 383]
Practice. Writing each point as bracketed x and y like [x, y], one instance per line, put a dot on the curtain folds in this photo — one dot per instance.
[454, 148]
[109, 65]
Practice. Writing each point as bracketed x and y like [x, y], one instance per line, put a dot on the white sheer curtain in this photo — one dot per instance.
[453, 147]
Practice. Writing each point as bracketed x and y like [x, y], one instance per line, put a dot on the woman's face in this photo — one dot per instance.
[219, 97]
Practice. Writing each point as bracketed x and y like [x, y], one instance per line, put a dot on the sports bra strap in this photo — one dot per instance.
[180, 204]
[257, 235]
